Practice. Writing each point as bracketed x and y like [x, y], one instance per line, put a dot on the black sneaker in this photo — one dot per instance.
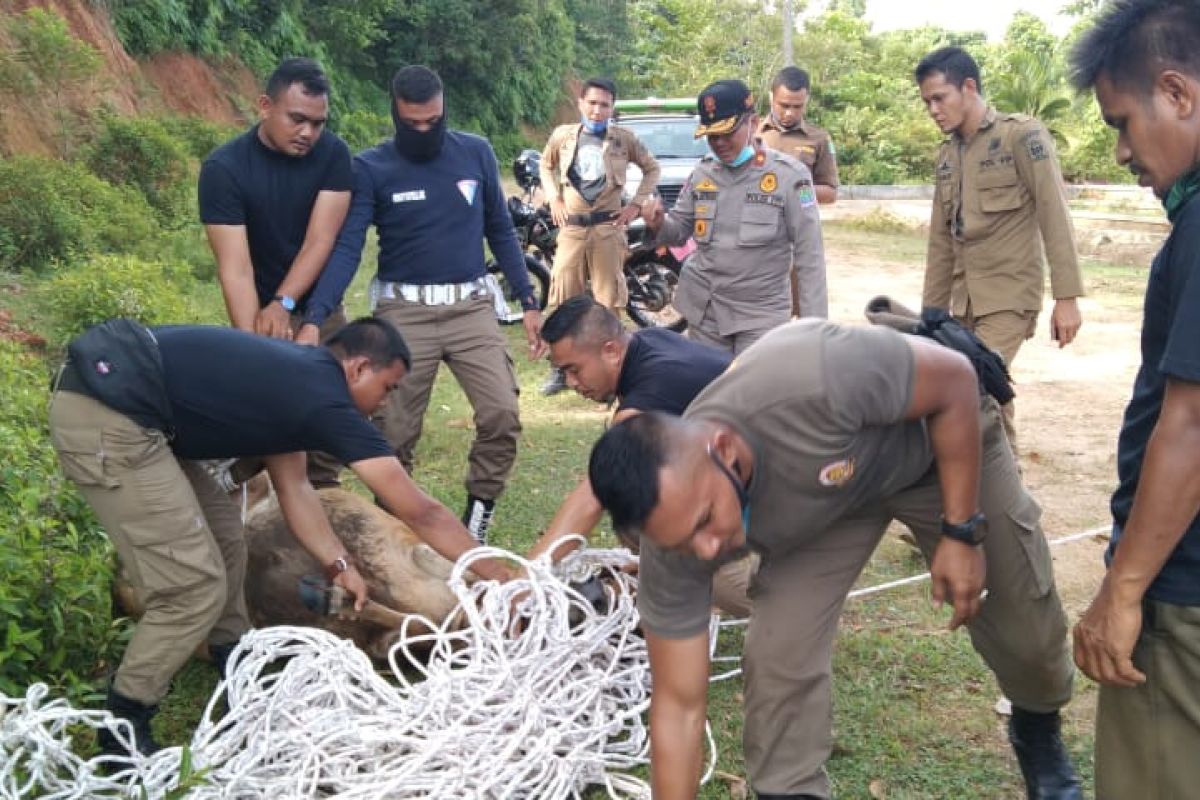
[137, 715]
[555, 383]
[1045, 764]
[478, 517]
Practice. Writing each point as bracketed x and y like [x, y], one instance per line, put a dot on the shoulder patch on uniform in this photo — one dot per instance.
[837, 474]
[769, 183]
[808, 196]
[1036, 145]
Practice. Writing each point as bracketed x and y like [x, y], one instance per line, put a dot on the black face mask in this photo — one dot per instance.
[418, 145]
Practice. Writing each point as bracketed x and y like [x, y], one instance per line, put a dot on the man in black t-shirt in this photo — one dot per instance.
[229, 394]
[272, 202]
[1140, 638]
[648, 370]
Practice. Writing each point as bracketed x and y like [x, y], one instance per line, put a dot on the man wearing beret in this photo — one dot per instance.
[753, 214]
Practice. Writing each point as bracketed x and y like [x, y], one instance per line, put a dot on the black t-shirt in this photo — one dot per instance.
[237, 394]
[664, 371]
[1170, 349]
[244, 182]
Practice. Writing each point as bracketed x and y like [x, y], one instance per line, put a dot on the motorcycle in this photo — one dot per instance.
[651, 273]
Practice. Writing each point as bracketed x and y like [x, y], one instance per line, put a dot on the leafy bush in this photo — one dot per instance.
[197, 135]
[362, 128]
[51, 211]
[104, 287]
[57, 565]
[140, 152]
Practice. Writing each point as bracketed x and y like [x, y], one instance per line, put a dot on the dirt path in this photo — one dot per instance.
[1069, 403]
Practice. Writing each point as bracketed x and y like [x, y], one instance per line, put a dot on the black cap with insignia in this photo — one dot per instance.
[722, 106]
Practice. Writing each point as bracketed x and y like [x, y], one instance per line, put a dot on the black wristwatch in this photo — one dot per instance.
[970, 532]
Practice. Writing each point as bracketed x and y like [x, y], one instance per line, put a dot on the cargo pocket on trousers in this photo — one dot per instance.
[1024, 515]
[81, 454]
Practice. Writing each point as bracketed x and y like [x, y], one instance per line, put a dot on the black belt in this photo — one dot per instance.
[594, 218]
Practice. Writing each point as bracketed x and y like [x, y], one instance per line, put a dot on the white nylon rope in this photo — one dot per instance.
[490, 715]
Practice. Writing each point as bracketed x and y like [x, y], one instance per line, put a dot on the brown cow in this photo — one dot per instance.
[401, 572]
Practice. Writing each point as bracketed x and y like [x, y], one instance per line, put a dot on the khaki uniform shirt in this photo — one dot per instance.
[822, 407]
[806, 142]
[621, 146]
[999, 210]
[750, 223]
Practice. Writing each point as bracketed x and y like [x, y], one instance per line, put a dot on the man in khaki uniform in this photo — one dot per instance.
[803, 451]
[999, 210]
[785, 129]
[753, 214]
[583, 176]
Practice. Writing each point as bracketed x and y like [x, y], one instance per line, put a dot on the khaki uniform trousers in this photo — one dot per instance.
[467, 338]
[1004, 332]
[179, 538]
[1147, 737]
[1020, 632]
[705, 332]
[595, 253]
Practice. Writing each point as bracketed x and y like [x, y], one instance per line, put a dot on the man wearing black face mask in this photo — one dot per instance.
[433, 195]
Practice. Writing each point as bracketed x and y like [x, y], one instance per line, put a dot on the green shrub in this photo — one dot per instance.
[141, 153]
[362, 128]
[52, 211]
[57, 565]
[197, 135]
[104, 287]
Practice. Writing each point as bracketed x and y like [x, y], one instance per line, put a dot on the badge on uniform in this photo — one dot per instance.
[700, 227]
[769, 182]
[837, 474]
[706, 185]
[468, 187]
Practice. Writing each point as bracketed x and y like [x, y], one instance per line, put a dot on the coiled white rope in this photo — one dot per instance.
[489, 715]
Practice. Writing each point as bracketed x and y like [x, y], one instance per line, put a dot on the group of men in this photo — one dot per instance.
[755, 463]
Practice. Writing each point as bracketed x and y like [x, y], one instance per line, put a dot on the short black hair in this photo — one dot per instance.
[791, 78]
[953, 62]
[604, 84]
[375, 338]
[1134, 40]
[304, 71]
[624, 466]
[581, 317]
[416, 83]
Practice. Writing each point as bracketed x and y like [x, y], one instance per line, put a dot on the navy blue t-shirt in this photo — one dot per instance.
[664, 371]
[236, 394]
[244, 182]
[1170, 349]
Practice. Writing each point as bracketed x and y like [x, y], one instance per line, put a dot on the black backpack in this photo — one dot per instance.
[119, 363]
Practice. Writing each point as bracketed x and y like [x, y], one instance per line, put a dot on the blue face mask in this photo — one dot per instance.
[743, 496]
[744, 156]
[596, 128]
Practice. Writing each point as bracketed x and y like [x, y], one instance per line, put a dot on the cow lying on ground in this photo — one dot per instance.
[401, 572]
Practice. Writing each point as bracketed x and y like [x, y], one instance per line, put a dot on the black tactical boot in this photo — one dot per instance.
[478, 517]
[138, 716]
[1044, 762]
[556, 382]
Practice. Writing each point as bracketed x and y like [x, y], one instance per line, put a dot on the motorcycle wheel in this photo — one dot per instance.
[651, 280]
[539, 276]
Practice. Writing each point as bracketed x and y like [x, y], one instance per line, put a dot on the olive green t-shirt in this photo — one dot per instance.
[822, 407]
